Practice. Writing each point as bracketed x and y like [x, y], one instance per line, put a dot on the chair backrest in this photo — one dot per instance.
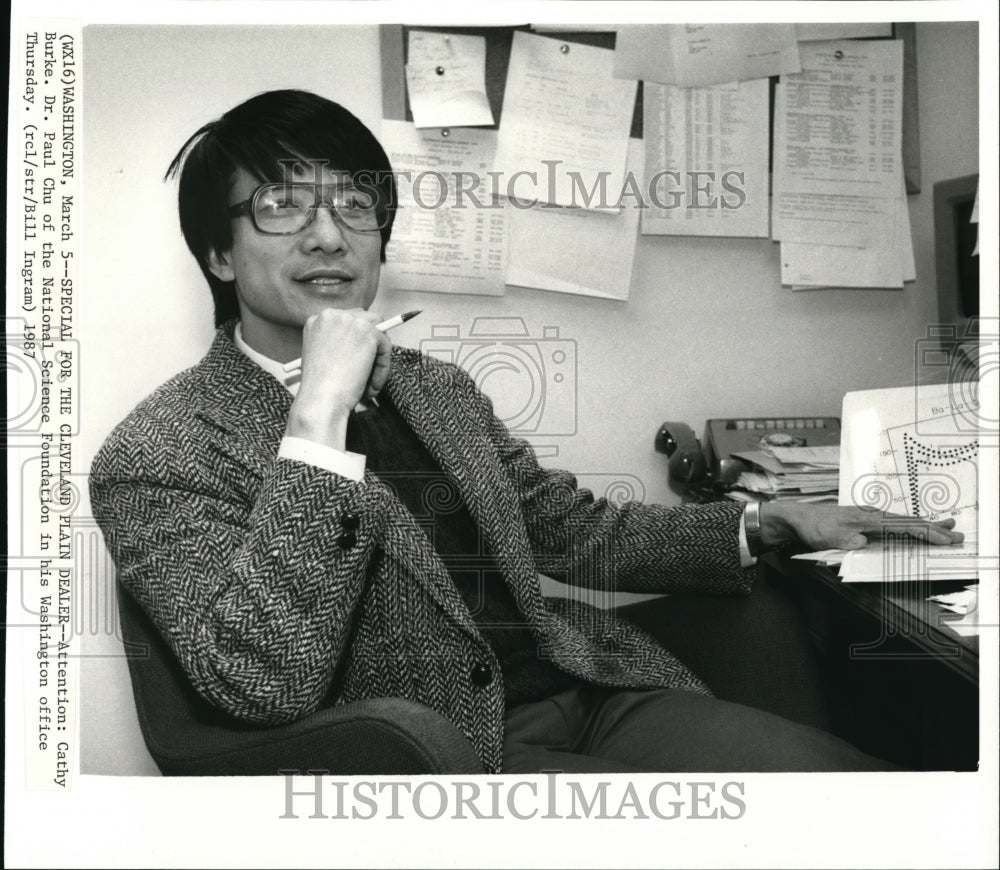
[186, 735]
[170, 711]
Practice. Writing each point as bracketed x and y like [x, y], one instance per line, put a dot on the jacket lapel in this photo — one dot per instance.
[245, 404]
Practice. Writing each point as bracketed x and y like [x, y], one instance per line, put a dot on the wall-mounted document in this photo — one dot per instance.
[840, 119]
[449, 234]
[805, 266]
[821, 218]
[886, 255]
[446, 80]
[696, 55]
[565, 125]
[706, 159]
[575, 28]
[573, 250]
[839, 203]
[904, 235]
[829, 218]
[823, 30]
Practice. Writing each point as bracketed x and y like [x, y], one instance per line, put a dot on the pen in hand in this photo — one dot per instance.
[295, 365]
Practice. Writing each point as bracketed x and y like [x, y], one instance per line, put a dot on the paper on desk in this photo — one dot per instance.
[965, 603]
[446, 80]
[840, 119]
[575, 250]
[566, 120]
[822, 455]
[909, 560]
[832, 30]
[706, 160]
[958, 602]
[769, 461]
[967, 626]
[697, 55]
[790, 484]
[444, 249]
[832, 557]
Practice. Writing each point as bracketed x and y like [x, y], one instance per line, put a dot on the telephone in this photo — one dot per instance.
[693, 466]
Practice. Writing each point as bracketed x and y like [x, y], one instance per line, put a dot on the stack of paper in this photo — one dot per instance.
[902, 559]
[966, 604]
[839, 203]
[909, 560]
[801, 473]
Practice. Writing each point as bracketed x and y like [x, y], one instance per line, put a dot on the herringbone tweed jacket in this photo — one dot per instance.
[282, 587]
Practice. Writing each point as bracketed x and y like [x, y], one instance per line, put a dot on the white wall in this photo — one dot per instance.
[708, 331]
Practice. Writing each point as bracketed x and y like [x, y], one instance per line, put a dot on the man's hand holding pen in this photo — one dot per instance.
[346, 356]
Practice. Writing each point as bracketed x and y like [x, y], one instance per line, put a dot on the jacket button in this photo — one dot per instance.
[347, 540]
[350, 522]
[481, 675]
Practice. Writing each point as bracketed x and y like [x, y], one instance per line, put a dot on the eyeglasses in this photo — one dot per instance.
[284, 208]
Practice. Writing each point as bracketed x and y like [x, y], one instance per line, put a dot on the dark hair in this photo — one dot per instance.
[255, 135]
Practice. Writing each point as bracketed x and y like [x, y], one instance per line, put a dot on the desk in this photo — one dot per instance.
[906, 686]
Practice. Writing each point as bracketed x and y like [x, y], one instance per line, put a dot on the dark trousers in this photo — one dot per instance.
[769, 714]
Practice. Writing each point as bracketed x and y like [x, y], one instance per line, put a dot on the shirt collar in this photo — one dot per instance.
[271, 366]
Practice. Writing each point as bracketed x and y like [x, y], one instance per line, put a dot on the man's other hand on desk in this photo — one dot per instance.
[827, 526]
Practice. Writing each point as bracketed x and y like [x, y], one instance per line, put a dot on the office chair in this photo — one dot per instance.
[188, 737]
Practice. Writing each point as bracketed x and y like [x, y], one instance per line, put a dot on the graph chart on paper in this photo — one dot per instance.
[912, 451]
[937, 476]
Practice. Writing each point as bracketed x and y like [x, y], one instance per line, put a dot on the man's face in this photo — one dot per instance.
[282, 280]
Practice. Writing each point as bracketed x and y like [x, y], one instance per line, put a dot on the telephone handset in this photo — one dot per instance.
[687, 465]
[693, 465]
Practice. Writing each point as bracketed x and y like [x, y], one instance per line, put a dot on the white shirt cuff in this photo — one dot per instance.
[746, 560]
[342, 462]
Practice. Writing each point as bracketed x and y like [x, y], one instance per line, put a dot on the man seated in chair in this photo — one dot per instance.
[367, 528]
